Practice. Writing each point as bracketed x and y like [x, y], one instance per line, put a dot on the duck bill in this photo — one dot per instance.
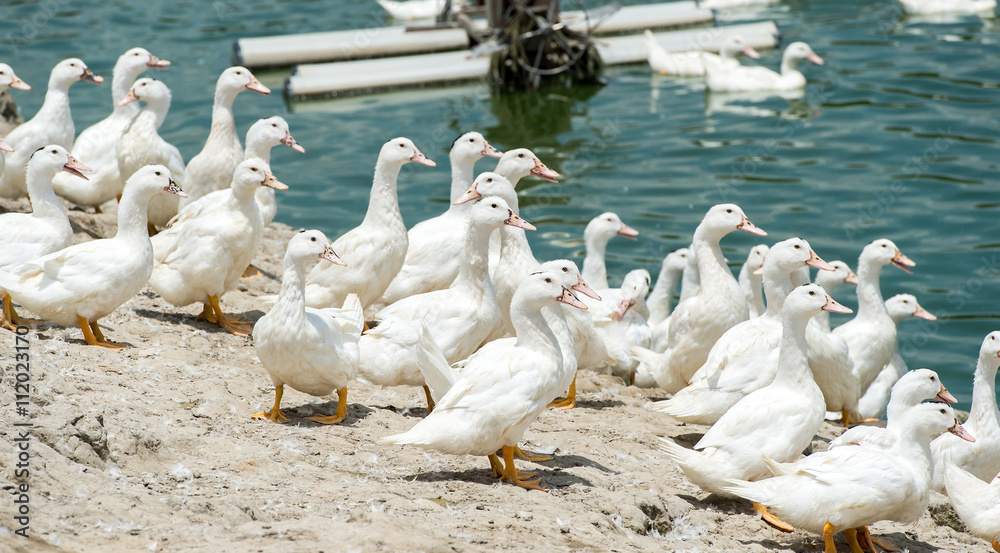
[945, 396]
[331, 256]
[543, 172]
[291, 143]
[128, 99]
[585, 289]
[17, 83]
[255, 86]
[751, 53]
[832, 306]
[172, 188]
[902, 262]
[5, 147]
[622, 309]
[851, 278]
[627, 231]
[815, 59]
[419, 157]
[747, 226]
[817, 261]
[758, 271]
[568, 298]
[490, 151]
[271, 181]
[470, 194]
[73, 167]
[90, 76]
[517, 222]
[156, 63]
[957, 430]
[924, 314]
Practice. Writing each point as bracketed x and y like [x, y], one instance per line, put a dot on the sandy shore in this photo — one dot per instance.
[153, 449]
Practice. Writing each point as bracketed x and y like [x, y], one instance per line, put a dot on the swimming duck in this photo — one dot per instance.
[976, 502]
[502, 389]
[314, 351]
[872, 403]
[433, 253]
[911, 389]
[458, 318]
[140, 144]
[596, 235]
[982, 458]
[46, 229]
[201, 258]
[776, 422]
[830, 280]
[848, 488]
[212, 169]
[924, 7]
[751, 281]
[53, 124]
[416, 9]
[692, 63]
[744, 359]
[375, 249]
[98, 143]
[84, 282]
[756, 78]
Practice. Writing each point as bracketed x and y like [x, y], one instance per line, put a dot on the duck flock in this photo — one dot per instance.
[459, 305]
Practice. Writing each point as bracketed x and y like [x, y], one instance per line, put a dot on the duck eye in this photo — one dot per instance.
[239, 72]
[159, 174]
[275, 125]
[549, 280]
[489, 179]
[472, 140]
[401, 145]
[812, 293]
[942, 411]
[565, 269]
[932, 379]
[729, 211]
[884, 246]
[54, 152]
[520, 155]
[313, 239]
[798, 247]
[494, 206]
[254, 169]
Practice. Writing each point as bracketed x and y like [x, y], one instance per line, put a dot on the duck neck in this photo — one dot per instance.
[291, 299]
[56, 104]
[594, 270]
[474, 270]
[793, 365]
[462, 173]
[777, 286]
[711, 264]
[44, 203]
[912, 444]
[514, 247]
[132, 212]
[662, 297]
[258, 149]
[870, 302]
[531, 329]
[383, 203]
[242, 195]
[789, 65]
[156, 112]
[223, 129]
[122, 78]
[984, 393]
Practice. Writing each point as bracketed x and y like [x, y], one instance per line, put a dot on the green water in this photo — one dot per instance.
[894, 137]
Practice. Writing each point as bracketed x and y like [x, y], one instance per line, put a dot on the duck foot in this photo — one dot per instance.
[93, 336]
[530, 455]
[849, 421]
[232, 325]
[851, 535]
[568, 402]
[996, 545]
[512, 475]
[275, 414]
[341, 410]
[207, 314]
[496, 465]
[151, 229]
[828, 530]
[771, 520]
[427, 394]
[9, 318]
[251, 272]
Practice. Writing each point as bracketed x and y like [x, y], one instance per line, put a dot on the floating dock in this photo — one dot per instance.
[287, 50]
[352, 77]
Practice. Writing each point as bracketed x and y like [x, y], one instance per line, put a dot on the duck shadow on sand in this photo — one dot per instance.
[186, 319]
[598, 404]
[550, 478]
[297, 415]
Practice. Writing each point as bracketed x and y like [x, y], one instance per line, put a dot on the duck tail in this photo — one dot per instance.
[355, 314]
[433, 365]
[651, 43]
[741, 488]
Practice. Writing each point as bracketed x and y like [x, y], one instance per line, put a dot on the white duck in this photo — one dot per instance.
[9, 80]
[596, 235]
[719, 305]
[744, 359]
[830, 280]
[662, 296]
[872, 403]
[458, 319]
[848, 488]
[375, 249]
[927, 7]
[976, 502]
[982, 458]
[46, 229]
[751, 279]
[911, 389]
[776, 422]
[692, 63]
[140, 144]
[753, 79]
[201, 258]
[626, 307]
[433, 254]
[416, 9]
[263, 135]
[84, 282]
[314, 351]
[98, 143]
[871, 334]
[502, 389]
[212, 169]
[53, 124]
